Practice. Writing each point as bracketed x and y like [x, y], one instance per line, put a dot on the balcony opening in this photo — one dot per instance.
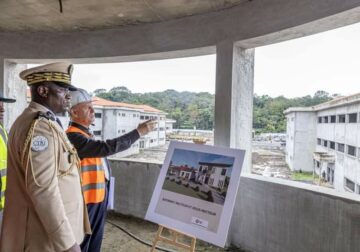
[177, 93]
[319, 109]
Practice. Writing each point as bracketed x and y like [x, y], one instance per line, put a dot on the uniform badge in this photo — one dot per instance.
[39, 143]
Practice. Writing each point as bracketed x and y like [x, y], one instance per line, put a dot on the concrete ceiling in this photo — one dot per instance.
[44, 15]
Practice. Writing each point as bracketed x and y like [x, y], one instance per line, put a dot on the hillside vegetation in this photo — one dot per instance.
[191, 109]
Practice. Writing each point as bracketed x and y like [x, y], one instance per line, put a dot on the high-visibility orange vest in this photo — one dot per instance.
[92, 175]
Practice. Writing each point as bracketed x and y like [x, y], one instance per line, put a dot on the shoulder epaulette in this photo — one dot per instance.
[48, 115]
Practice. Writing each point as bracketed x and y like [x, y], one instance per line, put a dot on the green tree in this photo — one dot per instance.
[99, 91]
[191, 109]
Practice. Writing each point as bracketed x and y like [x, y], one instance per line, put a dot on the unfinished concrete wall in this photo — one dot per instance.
[304, 141]
[134, 184]
[278, 216]
[273, 215]
[290, 134]
[13, 87]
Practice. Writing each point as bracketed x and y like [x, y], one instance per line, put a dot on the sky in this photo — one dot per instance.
[327, 61]
[196, 74]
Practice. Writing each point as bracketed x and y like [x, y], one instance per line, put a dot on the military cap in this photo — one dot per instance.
[79, 96]
[59, 72]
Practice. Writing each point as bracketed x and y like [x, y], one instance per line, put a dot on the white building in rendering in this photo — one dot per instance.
[326, 139]
[213, 174]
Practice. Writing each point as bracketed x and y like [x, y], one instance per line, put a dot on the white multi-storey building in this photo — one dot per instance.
[169, 123]
[114, 119]
[326, 139]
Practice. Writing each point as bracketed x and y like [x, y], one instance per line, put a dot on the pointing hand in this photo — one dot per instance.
[145, 127]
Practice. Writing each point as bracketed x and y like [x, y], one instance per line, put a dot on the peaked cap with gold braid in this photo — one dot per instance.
[59, 72]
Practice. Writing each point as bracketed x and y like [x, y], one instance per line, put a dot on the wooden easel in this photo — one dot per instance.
[174, 240]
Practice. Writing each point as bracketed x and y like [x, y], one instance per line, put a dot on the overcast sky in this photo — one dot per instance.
[328, 61]
[195, 74]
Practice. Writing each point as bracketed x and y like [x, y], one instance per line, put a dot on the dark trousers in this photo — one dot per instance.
[97, 214]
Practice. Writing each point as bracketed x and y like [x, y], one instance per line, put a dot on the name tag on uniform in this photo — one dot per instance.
[39, 143]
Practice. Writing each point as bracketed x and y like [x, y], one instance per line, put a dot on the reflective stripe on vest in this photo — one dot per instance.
[92, 175]
[3, 165]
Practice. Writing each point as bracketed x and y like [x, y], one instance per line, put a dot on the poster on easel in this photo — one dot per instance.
[196, 190]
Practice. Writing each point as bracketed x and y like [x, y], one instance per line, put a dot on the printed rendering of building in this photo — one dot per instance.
[183, 172]
[187, 173]
[325, 139]
[213, 174]
[203, 174]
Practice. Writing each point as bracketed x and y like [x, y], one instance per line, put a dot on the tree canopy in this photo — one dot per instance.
[191, 109]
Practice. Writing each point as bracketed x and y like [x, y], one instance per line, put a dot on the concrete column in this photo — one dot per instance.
[13, 87]
[234, 98]
[234, 108]
[223, 89]
[242, 103]
[242, 117]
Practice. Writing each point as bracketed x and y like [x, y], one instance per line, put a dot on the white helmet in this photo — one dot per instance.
[79, 96]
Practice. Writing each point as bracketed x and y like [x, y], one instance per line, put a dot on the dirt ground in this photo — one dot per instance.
[117, 240]
[269, 161]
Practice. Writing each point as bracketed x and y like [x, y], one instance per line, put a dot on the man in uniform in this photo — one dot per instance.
[44, 208]
[3, 154]
[95, 169]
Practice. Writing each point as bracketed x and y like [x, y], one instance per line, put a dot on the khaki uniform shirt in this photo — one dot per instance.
[44, 208]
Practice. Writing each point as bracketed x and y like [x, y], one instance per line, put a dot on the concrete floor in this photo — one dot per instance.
[117, 240]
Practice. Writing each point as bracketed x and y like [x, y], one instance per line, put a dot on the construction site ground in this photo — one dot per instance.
[268, 159]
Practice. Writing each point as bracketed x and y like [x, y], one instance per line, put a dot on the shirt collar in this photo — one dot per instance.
[83, 128]
[39, 107]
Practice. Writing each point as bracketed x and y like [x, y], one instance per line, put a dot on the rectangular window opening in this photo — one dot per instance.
[97, 132]
[333, 119]
[325, 143]
[332, 145]
[353, 118]
[341, 118]
[349, 184]
[340, 147]
[351, 150]
[319, 141]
